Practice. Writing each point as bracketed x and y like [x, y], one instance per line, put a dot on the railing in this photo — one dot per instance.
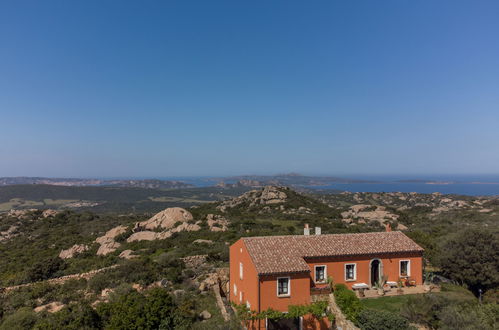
[316, 290]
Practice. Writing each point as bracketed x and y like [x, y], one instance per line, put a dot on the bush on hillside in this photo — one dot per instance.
[372, 319]
[348, 302]
[471, 258]
[23, 318]
[157, 310]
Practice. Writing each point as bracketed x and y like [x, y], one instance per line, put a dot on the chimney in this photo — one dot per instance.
[306, 230]
[317, 230]
[388, 227]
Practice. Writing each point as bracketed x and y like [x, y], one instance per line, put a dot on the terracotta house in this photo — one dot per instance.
[278, 271]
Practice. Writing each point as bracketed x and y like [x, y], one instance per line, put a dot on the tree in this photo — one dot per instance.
[471, 258]
[45, 269]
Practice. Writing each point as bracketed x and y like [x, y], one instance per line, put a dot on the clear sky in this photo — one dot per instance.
[174, 88]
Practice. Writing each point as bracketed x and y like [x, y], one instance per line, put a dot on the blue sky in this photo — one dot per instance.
[175, 88]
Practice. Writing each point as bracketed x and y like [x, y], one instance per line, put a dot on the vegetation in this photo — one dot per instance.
[347, 301]
[373, 319]
[453, 308]
[472, 258]
[31, 255]
[317, 309]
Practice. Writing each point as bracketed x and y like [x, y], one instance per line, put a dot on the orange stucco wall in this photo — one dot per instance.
[301, 283]
[249, 284]
[299, 287]
[336, 267]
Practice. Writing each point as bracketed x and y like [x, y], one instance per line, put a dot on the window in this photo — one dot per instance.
[320, 274]
[283, 286]
[241, 270]
[350, 272]
[248, 305]
[240, 296]
[235, 289]
[405, 268]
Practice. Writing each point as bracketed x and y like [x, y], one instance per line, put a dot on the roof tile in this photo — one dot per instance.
[285, 254]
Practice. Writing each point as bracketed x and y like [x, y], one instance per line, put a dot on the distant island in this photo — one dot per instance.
[72, 182]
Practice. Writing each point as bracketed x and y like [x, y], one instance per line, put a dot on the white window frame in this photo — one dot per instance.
[289, 287]
[240, 270]
[240, 296]
[354, 272]
[235, 289]
[408, 268]
[325, 274]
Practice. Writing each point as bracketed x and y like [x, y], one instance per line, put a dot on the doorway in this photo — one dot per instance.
[375, 271]
[284, 324]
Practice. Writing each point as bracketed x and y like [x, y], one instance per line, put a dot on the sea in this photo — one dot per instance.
[473, 185]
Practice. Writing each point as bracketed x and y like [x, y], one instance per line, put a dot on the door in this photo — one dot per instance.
[284, 324]
[375, 264]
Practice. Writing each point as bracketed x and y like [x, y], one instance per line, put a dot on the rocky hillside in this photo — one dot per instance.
[89, 258]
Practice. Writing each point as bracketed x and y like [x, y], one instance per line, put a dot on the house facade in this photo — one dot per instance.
[278, 271]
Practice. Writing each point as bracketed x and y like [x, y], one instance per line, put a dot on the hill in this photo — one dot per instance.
[184, 249]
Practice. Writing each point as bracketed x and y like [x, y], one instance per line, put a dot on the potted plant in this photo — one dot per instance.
[400, 284]
[330, 283]
[386, 286]
[380, 285]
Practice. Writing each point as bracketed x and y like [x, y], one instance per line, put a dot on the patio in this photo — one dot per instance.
[418, 289]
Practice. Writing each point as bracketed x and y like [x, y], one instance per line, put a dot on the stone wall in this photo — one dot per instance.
[341, 320]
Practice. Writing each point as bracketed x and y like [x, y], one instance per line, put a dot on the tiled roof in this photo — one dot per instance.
[285, 254]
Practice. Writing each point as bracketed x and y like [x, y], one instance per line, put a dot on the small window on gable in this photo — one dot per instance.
[405, 268]
[350, 272]
[320, 274]
[241, 270]
[283, 288]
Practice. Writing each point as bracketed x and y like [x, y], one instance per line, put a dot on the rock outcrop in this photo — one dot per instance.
[217, 222]
[52, 307]
[9, 233]
[165, 219]
[368, 213]
[20, 214]
[172, 220]
[127, 254]
[73, 251]
[143, 236]
[107, 242]
[49, 213]
[267, 196]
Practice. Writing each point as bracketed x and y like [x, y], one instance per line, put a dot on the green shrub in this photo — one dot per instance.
[23, 318]
[347, 301]
[73, 317]
[373, 319]
[157, 310]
